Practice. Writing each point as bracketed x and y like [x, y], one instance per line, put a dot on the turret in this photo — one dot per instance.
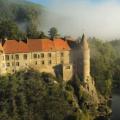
[85, 58]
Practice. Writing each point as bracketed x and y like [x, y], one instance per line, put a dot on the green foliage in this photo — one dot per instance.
[9, 29]
[35, 96]
[16, 16]
[108, 87]
[53, 32]
[116, 66]
[32, 31]
[32, 96]
[103, 63]
[42, 35]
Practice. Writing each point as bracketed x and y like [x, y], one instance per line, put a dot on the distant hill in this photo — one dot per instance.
[21, 12]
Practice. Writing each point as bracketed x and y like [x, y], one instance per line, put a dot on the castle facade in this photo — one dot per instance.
[44, 55]
[61, 57]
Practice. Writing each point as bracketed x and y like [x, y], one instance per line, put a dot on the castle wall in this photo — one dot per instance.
[41, 61]
[67, 72]
[76, 58]
[2, 64]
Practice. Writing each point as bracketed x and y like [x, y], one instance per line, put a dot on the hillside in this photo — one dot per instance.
[105, 62]
[29, 95]
[19, 18]
[20, 11]
[116, 46]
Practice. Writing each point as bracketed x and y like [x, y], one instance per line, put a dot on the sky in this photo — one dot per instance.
[99, 18]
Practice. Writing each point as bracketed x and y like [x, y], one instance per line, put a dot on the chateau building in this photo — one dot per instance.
[45, 55]
[61, 57]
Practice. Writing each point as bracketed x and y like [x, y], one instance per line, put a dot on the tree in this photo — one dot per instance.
[9, 29]
[102, 61]
[42, 35]
[53, 32]
[108, 87]
[28, 96]
[32, 31]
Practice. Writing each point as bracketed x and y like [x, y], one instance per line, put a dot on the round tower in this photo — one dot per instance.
[86, 58]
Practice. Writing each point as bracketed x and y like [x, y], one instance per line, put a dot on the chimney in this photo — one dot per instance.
[2, 41]
[25, 40]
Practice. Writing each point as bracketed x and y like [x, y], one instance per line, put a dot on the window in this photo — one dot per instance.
[67, 67]
[35, 55]
[17, 63]
[6, 57]
[17, 57]
[8, 64]
[49, 62]
[42, 55]
[42, 62]
[25, 56]
[11, 56]
[62, 54]
[49, 55]
[13, 63]
[38, 56]
[35, 62]
[62, 61]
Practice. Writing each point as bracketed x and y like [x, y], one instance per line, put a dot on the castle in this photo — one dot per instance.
[44, 55]
[61, 57]
[58, 56]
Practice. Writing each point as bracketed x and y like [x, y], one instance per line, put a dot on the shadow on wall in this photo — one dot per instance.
[58, 71]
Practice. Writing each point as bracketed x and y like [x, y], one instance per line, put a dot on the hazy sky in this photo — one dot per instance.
[99, 18]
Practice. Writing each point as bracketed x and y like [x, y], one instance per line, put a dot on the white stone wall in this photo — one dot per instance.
[37, 61]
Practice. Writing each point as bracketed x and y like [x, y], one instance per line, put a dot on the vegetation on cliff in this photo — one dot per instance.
[105, 64]
[39, 96]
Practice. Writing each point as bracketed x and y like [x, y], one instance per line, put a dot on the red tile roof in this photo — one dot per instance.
[14, 46]
[34, 45]
[61, 44]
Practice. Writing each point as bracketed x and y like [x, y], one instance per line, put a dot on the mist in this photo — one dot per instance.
[75, 17]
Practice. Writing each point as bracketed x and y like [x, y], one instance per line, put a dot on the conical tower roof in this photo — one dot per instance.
[84, 41]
